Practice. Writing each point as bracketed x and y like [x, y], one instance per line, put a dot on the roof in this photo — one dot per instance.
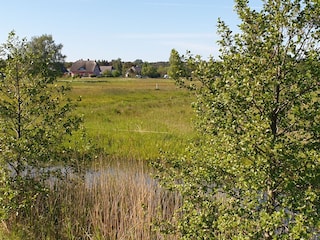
[83, 66]
[106, 68]
[134, 69]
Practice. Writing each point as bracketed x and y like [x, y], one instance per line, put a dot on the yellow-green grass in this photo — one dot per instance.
[135, 118]
[119, 201]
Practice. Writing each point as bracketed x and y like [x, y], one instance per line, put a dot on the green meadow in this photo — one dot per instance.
[135, 118]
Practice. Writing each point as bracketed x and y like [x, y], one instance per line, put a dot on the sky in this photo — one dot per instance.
[126, 29]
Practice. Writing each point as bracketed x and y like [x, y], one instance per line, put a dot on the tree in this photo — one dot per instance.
[162, 70]
[137, 62]
[116, 73]
[107, 73]
[117, 65]
[44, 45]
[149, 70]
[254, 174]
[176, 65]
[35, 120]
[103, 62]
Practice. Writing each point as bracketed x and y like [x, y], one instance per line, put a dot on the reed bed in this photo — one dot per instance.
[119, 201]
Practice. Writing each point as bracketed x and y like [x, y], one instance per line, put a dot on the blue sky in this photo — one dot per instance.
[126, 29]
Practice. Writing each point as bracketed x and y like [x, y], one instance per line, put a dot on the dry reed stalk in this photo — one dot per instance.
[116, 202]
[126, 205]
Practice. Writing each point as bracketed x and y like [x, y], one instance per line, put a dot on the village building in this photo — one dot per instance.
[85, 68]
[134, 71]
[106, 69]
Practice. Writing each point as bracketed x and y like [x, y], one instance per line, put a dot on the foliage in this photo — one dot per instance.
[255, 173]
[45, 46]
[162, 70]
[117, 65]
[138, 62]
[107, 73]
[149, 70]
[102, 62]
[176, 65]
[35, 119]
[116, 73]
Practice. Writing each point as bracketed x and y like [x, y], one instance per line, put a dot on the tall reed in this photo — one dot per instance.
[118, 201]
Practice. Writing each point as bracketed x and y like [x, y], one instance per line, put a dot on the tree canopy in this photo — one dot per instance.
[254, 173]
[46, 47]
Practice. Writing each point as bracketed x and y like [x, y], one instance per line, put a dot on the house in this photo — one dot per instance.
[133, 71]
[106, 69]
[84, 68]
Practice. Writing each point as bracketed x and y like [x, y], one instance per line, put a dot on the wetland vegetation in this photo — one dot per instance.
[130, 121]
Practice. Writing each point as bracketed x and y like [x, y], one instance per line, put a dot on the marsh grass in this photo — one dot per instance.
[131, 119]
[120, 201]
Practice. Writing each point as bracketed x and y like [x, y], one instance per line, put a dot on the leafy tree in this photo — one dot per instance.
[67, 64]
[176, 65]
[103, 62]
[2, 63]
[107, 73]
[149, 70]
[162, 70]
[117, 65]
[137, 62]
[44, 45]
[255, 172]
[116, 73]
[35, 121]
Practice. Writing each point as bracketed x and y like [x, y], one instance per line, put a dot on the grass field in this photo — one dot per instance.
[134, 118]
